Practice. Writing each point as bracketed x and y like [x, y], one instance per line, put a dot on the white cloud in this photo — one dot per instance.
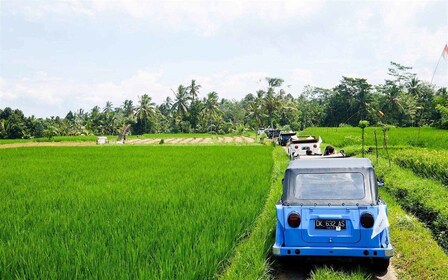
[301, 77]
[43, 96]
[201, 16]
[405, 40]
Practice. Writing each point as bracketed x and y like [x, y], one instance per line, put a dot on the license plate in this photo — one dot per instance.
[330, 224]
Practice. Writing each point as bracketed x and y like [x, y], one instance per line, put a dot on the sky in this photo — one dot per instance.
[57, 56]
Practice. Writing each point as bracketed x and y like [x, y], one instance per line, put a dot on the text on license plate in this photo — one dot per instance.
[330, 224]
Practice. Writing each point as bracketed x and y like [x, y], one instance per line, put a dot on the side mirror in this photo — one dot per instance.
[380, 182]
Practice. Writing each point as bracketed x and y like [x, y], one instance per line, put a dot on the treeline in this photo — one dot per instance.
[403, 100]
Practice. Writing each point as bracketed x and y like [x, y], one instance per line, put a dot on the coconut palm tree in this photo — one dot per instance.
[254, 113]
[271, 105]
[128, 108]
[145, 111]
[166, 106]
[180, 104]
[211, 113]
[108, 108]
[193, 90]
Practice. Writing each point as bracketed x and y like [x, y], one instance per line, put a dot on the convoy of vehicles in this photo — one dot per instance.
[330, 207]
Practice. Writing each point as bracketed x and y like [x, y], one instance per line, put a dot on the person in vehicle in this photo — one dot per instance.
[329, 150]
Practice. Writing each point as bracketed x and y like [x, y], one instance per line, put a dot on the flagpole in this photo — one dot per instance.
[440, 57]
[444, 51]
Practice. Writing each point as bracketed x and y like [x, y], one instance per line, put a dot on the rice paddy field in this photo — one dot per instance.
[191, 211]
[127, 212]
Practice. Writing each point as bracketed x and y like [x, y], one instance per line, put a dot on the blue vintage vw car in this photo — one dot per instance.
[330, 207]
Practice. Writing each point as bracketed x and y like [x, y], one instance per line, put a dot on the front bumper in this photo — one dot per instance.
[334, 251]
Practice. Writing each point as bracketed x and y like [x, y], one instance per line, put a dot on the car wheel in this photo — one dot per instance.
[380, 264]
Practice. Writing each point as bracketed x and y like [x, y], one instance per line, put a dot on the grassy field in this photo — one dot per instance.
[127, 212]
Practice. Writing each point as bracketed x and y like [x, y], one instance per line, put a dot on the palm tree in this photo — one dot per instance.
[271, 105]
[145, 110]
[274, 82]
[255, 113]
[108, 108]
[392, 106]
[193, 90]
[211, 112]
[181, 101]
[166, 106]
[128, 108]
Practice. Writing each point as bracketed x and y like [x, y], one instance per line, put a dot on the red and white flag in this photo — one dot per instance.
[445, 52]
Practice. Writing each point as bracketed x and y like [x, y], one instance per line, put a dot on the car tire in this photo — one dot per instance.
[380, 264]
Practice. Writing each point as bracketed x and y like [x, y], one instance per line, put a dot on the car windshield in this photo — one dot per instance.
[329, 186]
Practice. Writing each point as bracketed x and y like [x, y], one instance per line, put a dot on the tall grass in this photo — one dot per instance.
[127, 212]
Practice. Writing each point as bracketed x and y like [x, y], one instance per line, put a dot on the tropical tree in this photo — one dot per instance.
[271, 104]
[193, 90]
[180, 104]
[128, 108]
[350, 102]
[255, 114]
[144, 113]
[210, 114]
[166, 107]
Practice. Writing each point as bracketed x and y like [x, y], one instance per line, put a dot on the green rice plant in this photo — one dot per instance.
[250, 260]
[426, 163]
[417, 255]
[86, 138]
[425, 198]
[113, 212]
[406, 136]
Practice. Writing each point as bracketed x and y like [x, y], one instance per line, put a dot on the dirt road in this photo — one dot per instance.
[296, 269]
